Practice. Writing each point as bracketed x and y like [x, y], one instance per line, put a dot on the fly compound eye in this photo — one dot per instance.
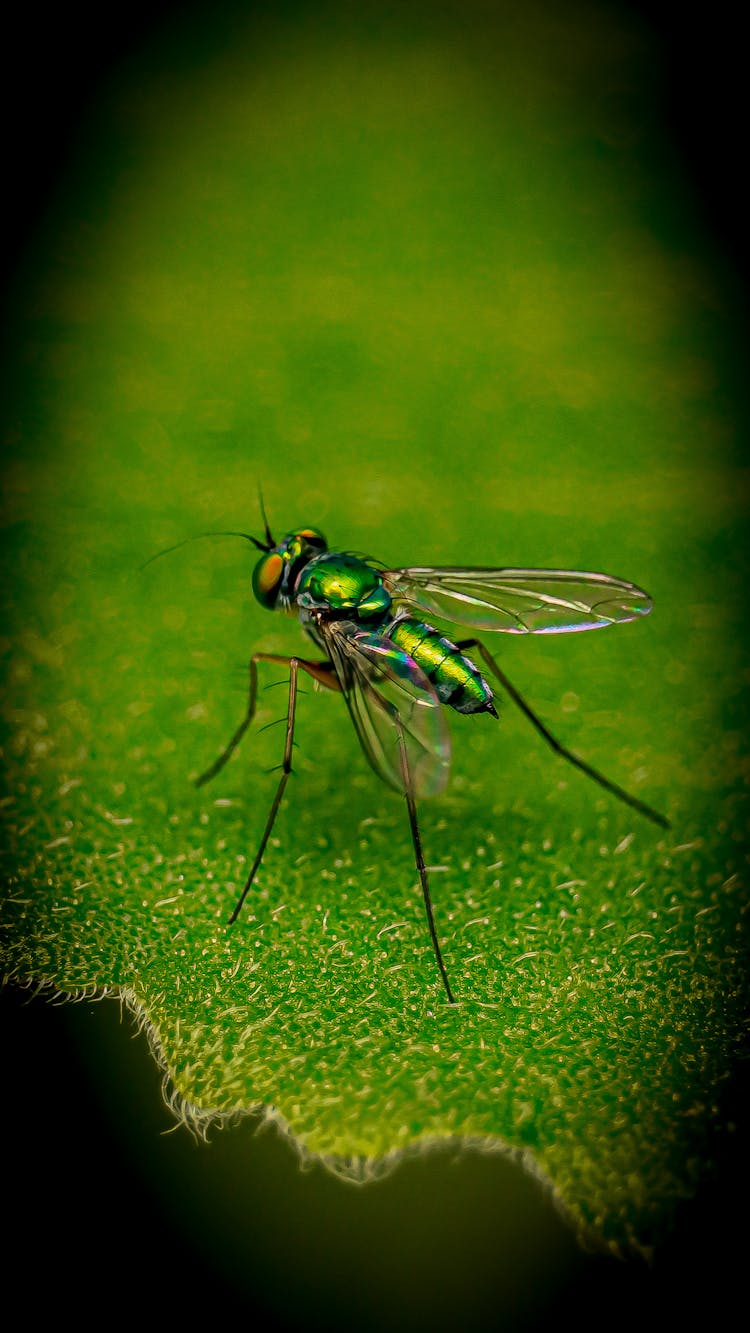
[267, 579]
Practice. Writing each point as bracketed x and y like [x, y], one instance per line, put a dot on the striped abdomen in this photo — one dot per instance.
[456, 680]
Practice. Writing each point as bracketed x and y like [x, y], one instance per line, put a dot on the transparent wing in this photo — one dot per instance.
[386, 691]
[520, 601]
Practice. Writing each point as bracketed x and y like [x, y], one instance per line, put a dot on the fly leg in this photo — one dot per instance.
[419, 857]
[286, 769]
[556, 745]
[320, 671]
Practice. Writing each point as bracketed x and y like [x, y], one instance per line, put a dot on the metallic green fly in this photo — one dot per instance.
[398, 674]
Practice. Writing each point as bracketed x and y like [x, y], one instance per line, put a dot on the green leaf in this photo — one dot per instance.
[449, 336]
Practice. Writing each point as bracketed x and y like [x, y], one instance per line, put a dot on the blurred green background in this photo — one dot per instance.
[436, 277]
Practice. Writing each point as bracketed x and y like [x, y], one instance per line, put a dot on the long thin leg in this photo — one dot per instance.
[560, 749]
[421, 867]
[286, 769]
[321, 671]
[226, 754]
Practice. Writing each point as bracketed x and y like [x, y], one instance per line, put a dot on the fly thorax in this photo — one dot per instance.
[342, 586]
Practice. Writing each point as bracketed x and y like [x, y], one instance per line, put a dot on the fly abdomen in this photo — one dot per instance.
[456, 680]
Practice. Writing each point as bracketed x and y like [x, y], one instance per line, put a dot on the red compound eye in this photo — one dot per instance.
[267, 578]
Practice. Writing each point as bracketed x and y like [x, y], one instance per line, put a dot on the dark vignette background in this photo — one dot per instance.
[92, 1234]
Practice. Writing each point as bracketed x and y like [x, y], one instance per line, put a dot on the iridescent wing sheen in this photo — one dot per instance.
[519, 601]
[387, 693]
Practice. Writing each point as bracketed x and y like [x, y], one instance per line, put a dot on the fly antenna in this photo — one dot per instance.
[260, 546]
[269, 538]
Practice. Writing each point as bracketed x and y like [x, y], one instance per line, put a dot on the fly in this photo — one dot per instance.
[399, 675]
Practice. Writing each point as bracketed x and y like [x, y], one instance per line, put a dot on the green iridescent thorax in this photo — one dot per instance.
[456, 680]
[342, 583]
